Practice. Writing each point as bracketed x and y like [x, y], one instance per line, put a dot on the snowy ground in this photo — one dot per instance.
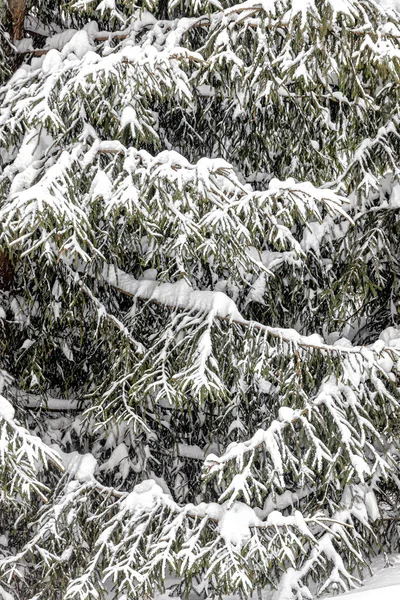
[383, 585]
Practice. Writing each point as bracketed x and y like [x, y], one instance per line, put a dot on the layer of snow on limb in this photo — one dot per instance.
[145, 496]
[216, 304]
[178, 294]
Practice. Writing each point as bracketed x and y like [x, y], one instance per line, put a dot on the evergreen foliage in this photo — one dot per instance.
[199, 298]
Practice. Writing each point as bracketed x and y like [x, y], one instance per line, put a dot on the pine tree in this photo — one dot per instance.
[199, 297]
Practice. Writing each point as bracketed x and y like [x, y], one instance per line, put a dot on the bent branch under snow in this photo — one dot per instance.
[218, 305]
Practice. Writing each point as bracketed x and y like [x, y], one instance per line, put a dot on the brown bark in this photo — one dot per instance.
[17, 9]
[6, 271]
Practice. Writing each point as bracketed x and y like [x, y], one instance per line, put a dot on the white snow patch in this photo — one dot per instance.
[145, 495]
[385, 583]
[391, 337]
[390, 5]
[235, 524]
[286, 414]
[5, 595]
[394, 200]
[7, 411]
[149, 274]
[312, 236]
[66, 555]
[178, 294]
[52, 61]
[80, 466]
[119, 459]
[27, 344]
[79, 45]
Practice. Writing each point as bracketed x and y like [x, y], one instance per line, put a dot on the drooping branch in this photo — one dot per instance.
[170, 296]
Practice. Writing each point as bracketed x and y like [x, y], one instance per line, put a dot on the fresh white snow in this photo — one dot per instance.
[7, 411]
[384, 584]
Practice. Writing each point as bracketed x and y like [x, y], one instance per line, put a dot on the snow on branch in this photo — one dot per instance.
[218, 305]
[148, 73]
[138, 538]
[337, 425]
[22, 456]
[178, 210]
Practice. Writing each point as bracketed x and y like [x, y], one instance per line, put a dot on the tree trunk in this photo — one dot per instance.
[6, 271]
[17, 9]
